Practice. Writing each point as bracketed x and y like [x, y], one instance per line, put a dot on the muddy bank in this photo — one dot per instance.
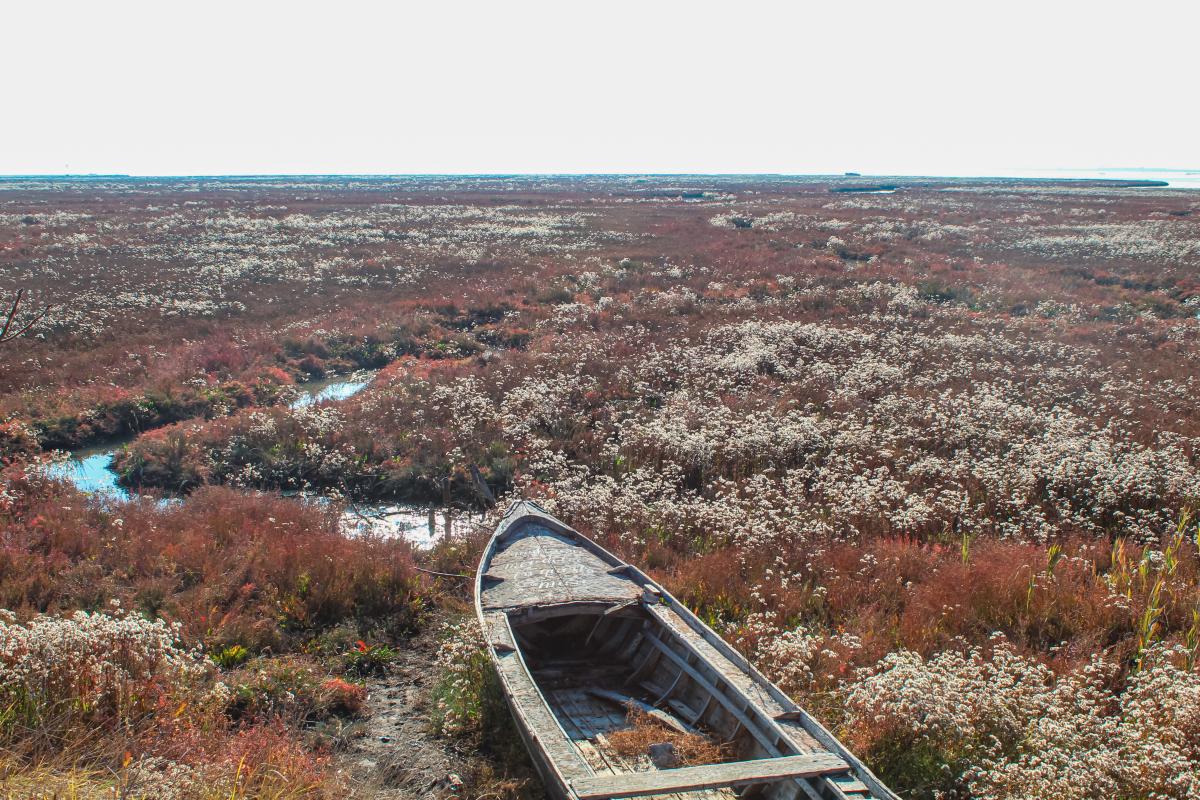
[397, 756]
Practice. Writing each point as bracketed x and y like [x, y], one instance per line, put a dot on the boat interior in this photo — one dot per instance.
[594, 664]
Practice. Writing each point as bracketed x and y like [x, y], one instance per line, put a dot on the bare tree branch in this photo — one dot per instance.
[7, 333]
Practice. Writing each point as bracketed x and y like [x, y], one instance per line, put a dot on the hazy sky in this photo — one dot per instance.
[968, 87]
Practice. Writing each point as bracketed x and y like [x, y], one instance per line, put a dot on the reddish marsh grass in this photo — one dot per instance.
[231, 567]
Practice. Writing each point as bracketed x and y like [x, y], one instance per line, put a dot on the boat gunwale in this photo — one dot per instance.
[541, 696]
[510, 699]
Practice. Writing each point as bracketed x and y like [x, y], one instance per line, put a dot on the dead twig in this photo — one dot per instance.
[7, 333]
[443, 574]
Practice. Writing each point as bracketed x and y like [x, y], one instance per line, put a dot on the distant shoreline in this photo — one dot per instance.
[851, 183]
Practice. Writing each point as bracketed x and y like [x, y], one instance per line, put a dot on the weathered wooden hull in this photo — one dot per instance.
[555, 788]
[577, 635]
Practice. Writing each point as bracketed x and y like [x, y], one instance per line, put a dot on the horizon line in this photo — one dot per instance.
[998, 174]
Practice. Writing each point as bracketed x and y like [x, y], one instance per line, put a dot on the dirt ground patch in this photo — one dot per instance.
[397, 755]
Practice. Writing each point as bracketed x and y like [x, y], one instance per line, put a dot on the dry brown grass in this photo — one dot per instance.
[644, 730]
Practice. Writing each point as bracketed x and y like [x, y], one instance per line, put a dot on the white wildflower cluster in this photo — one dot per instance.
[466, 404]
[103, 662]
[798, 660]
[1011, 729]
[1147, 240]
[261, 425]
[317, 418]
[700, 436]
[543, 404]
[893, 419]
[157, 778]
[724, 220]
[459, 663]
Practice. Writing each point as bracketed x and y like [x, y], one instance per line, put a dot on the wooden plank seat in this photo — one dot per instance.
[708, 776]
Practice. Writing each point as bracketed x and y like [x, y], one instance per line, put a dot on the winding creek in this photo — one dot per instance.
[88, 469]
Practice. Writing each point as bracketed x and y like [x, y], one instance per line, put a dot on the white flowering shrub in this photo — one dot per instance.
[798, 660]
[90, 668]
[158, 778]
[465, 676]
[994, 725]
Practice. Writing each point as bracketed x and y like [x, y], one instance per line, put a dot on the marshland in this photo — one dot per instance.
[929, 458]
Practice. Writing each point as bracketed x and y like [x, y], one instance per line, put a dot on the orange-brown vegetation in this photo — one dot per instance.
[643, 730]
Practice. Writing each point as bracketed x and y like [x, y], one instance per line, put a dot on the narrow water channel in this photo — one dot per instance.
[336, 388]
[422, 527]
[88, 469]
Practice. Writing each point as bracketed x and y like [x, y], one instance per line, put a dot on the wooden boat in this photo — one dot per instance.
[578, 637]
